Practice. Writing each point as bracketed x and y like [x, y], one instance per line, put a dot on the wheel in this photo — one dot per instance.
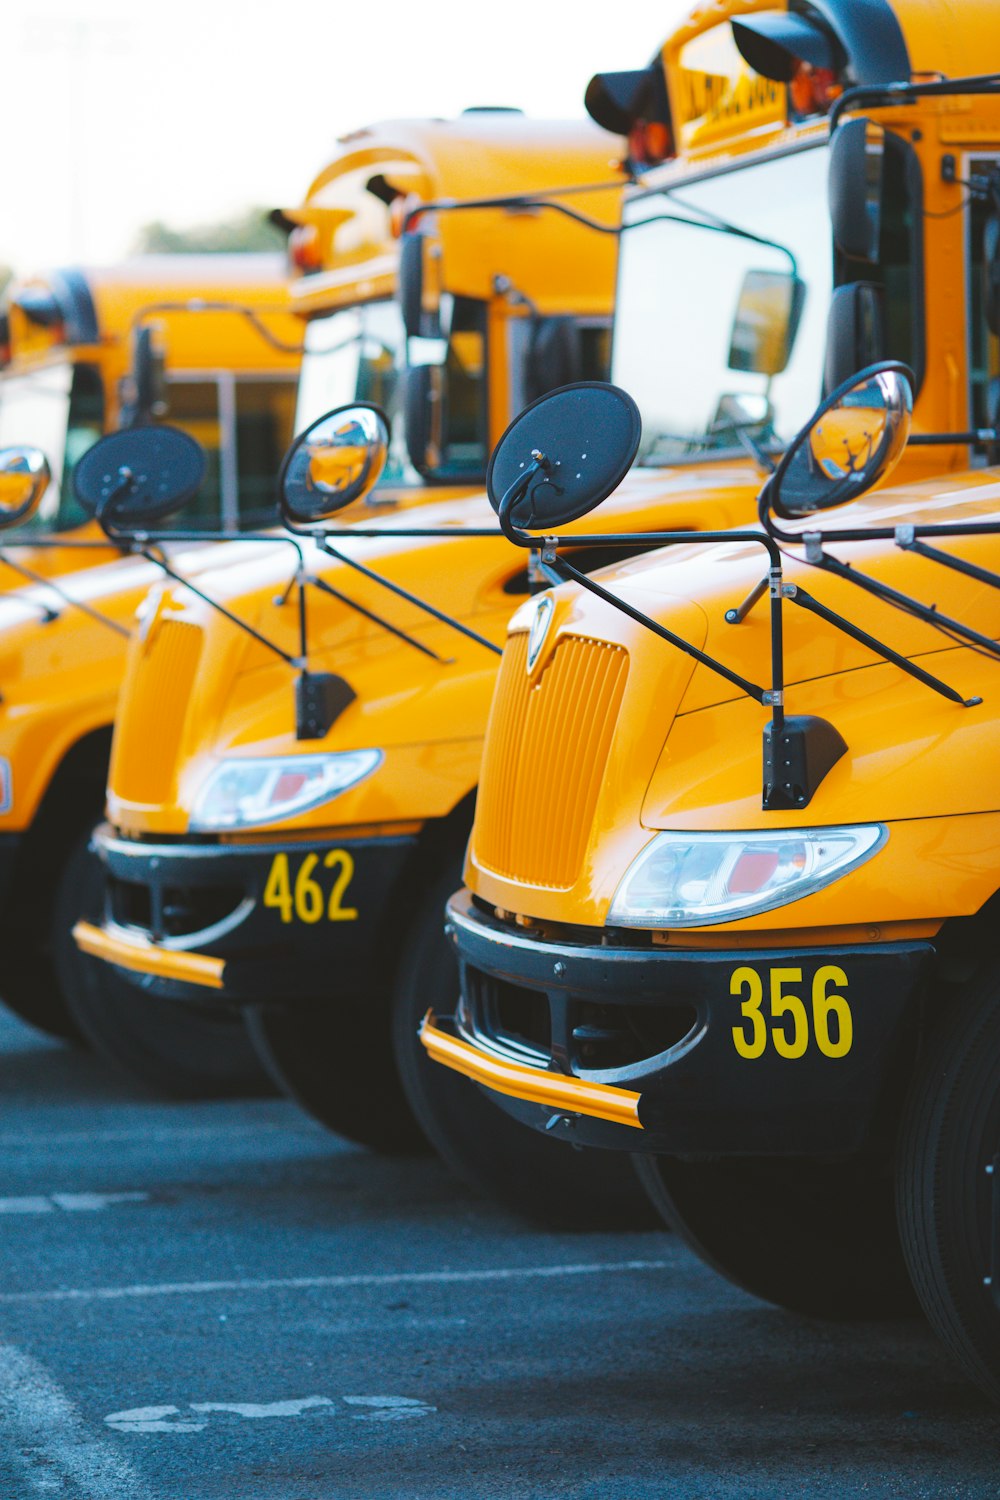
[547, 1181]
[816, 1237]
[948, 1193]
[29, 938]
[173, 1049]
[338, 1065]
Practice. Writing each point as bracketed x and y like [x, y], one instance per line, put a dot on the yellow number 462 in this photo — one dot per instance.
[790, 1036]
[304, 899]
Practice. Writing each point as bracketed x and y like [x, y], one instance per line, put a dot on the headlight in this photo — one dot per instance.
[695, 879]
[240, 793]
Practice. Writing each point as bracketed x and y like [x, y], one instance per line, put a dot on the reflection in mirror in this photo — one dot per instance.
[333, 463]
[766, 321]
[24, 478]
[856, 438]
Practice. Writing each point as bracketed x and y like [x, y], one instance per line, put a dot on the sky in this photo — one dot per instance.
[118, 113]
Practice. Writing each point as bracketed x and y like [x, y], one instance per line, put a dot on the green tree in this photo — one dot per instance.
[251, 230]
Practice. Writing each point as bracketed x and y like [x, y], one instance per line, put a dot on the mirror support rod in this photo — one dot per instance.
[50, 543]
[67, 599]
[750, 688]
[946, 439]
[738, 615]
[807, 601]
[401, 593]
[906, 540]
[902, 601]
[876, 95]
[327, 588]
[262, 640]
[773, 697]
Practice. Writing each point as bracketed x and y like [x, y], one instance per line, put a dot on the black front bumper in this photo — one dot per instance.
[673, 1026]
[292, 921]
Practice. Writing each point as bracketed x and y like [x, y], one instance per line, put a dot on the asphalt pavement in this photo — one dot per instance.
[222, 1302]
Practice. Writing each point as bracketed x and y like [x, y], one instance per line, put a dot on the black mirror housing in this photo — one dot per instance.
[854, 188]
[130, 480]
[563, 455]
[855, 335]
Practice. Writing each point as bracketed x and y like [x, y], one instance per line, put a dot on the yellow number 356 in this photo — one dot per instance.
[832, 1024]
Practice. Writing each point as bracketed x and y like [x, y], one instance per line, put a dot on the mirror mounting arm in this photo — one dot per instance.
[160, 562]
[401, 593]
[889, 595]
[807, 601]
[48, 613]
[752, 689]
[383, 624]
[906, 538]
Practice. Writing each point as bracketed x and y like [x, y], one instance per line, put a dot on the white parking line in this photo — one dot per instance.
[333, 1283]
[173, 1419]
[48, 1435]
[50, 1203]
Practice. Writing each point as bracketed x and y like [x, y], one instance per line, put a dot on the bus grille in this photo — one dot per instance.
[546, 751]
[153, 711]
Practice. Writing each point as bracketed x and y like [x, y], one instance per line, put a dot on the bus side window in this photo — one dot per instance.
[265, 416]
[85, 424]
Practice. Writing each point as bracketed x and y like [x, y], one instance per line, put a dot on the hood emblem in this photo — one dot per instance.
[542, 618]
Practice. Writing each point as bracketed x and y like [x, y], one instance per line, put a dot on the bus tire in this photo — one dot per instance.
[946, 1196]
[815, 1237]
[547, 1181]
[336, 1063]
[174, 1049]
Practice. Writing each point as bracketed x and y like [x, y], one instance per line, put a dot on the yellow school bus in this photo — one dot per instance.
[752, 939]
[304, 882]
[207, 343]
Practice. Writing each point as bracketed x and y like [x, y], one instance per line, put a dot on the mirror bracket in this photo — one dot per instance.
[320, 699]
[797, 756]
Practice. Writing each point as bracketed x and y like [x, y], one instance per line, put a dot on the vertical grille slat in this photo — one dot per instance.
[153, 711]
[546, 752]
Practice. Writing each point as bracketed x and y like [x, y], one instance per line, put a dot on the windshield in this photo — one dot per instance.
[436, 405]
[358, 354]
[696, 311]
[59, 409]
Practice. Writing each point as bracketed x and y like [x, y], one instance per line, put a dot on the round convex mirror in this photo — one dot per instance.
[24, 478]
[333, 463]
[588, 435]
[134, 478]
[856, 438]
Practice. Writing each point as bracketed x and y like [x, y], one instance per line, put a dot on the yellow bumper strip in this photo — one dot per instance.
[144, 957]
[572, 1095]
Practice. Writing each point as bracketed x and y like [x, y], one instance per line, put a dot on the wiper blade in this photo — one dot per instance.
[713, 222]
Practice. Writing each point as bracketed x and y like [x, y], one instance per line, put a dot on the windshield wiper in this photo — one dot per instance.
[713, 222]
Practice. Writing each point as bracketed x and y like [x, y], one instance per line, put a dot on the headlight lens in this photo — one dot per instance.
[695, 879]
[241, 793]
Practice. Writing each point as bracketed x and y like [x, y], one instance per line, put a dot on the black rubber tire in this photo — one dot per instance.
[546, 1181]
[815, 1237]
[30, 936]
[944, 1194]
[337, 1064]
[29, 986]
[173, 1049]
